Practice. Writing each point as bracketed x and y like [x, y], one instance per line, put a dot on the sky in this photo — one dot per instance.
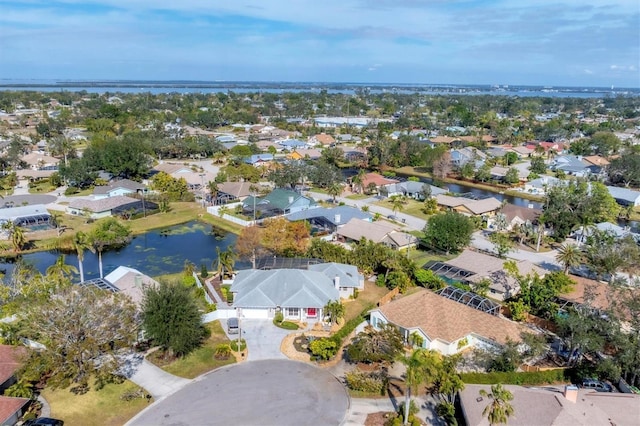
[516, 42]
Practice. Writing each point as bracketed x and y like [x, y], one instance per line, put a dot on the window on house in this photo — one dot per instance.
[293, 312]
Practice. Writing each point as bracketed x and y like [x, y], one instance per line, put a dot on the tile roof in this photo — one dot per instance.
[596, 160]
[483, 206]
[376, 179]
[447, 320]
[324, 139]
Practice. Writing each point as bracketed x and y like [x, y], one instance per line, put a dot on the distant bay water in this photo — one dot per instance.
[158, 87]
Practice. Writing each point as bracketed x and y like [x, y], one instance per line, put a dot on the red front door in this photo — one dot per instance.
[312, 312]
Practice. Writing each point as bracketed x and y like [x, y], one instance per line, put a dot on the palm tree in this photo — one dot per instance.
[397, 203]
[421, 367]
[499, 409]
[60, 270]
[82, 242]
[212, 186]
[109, 232]
[16, 235]
[226, 262]
[569, 255]
[334, 310]
[334, 190]
[358, 180]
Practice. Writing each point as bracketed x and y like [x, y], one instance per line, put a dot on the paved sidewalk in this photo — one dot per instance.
[361, 407]
[153, 379]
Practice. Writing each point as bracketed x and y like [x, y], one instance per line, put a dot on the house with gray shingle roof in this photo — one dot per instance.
[300, 295]
[346, 277]
[277, 202]
[324, 219]
[117, 187]
[625, 196]
[411, 189]
[109, 206]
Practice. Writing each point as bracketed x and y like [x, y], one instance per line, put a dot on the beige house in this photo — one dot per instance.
[445, 325]
[379, 232]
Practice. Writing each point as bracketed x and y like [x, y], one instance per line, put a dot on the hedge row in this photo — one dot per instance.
[518, 378]
[341, 334]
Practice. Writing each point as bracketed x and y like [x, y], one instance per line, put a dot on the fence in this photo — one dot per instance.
[389, 296]
[534, 368]
[219, 314]
[532, 319]
[215, 211]
[207, 296]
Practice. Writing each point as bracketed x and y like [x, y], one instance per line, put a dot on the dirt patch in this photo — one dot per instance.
[377, 419]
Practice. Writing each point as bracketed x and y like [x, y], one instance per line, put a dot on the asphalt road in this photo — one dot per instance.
[270, 392]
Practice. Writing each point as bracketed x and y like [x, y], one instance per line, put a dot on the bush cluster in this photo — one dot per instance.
[518, 378]
[337, 338]
[372, 382]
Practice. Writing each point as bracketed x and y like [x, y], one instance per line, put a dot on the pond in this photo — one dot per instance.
[158, 252]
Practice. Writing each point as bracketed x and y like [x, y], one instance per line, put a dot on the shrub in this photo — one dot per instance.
[532, 378]
[287, 325]
[204, 273]
[71, 190]
[324, 348]
[372, 382]
[223, 351]
[278, 318]
[234, 345]
[188, 280]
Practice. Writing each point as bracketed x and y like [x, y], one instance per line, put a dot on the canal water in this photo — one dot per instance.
[158, 252]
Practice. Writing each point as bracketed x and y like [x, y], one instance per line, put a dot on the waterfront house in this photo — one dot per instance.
[486, 207]
[445, 325]
[30, 217]
[328, 220]
[232, 191]
[462, 156]
[625, 196]
[300, 295]
[539, 186]
[110, 206]
[514, 216]
[277, 202]
[371, 179]
[125, 280]
[410, 189]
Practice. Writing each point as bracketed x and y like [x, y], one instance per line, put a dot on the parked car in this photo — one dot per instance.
[596, 385]
[44, 421]
[233, 325]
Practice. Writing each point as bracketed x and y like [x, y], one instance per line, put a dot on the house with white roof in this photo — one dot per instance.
[625, 196]
[300, 295]
[410, 189]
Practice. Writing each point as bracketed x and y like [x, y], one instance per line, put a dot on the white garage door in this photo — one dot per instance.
[255, 313]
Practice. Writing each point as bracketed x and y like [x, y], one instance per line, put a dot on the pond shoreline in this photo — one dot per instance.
[411, 171]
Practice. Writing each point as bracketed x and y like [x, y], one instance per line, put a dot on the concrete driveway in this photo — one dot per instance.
[263, 338]
[274, 392]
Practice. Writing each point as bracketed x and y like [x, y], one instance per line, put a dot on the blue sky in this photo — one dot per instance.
[538, 42]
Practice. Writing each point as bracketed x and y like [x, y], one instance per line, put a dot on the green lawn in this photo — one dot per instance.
[411, 207]
[421, 256]
[100, 408]
[199, 361]
[358, 196]
[370, 295]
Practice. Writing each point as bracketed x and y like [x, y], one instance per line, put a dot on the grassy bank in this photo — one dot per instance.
[181, 212]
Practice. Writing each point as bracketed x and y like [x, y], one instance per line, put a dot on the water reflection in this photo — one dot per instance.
[161, 251]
